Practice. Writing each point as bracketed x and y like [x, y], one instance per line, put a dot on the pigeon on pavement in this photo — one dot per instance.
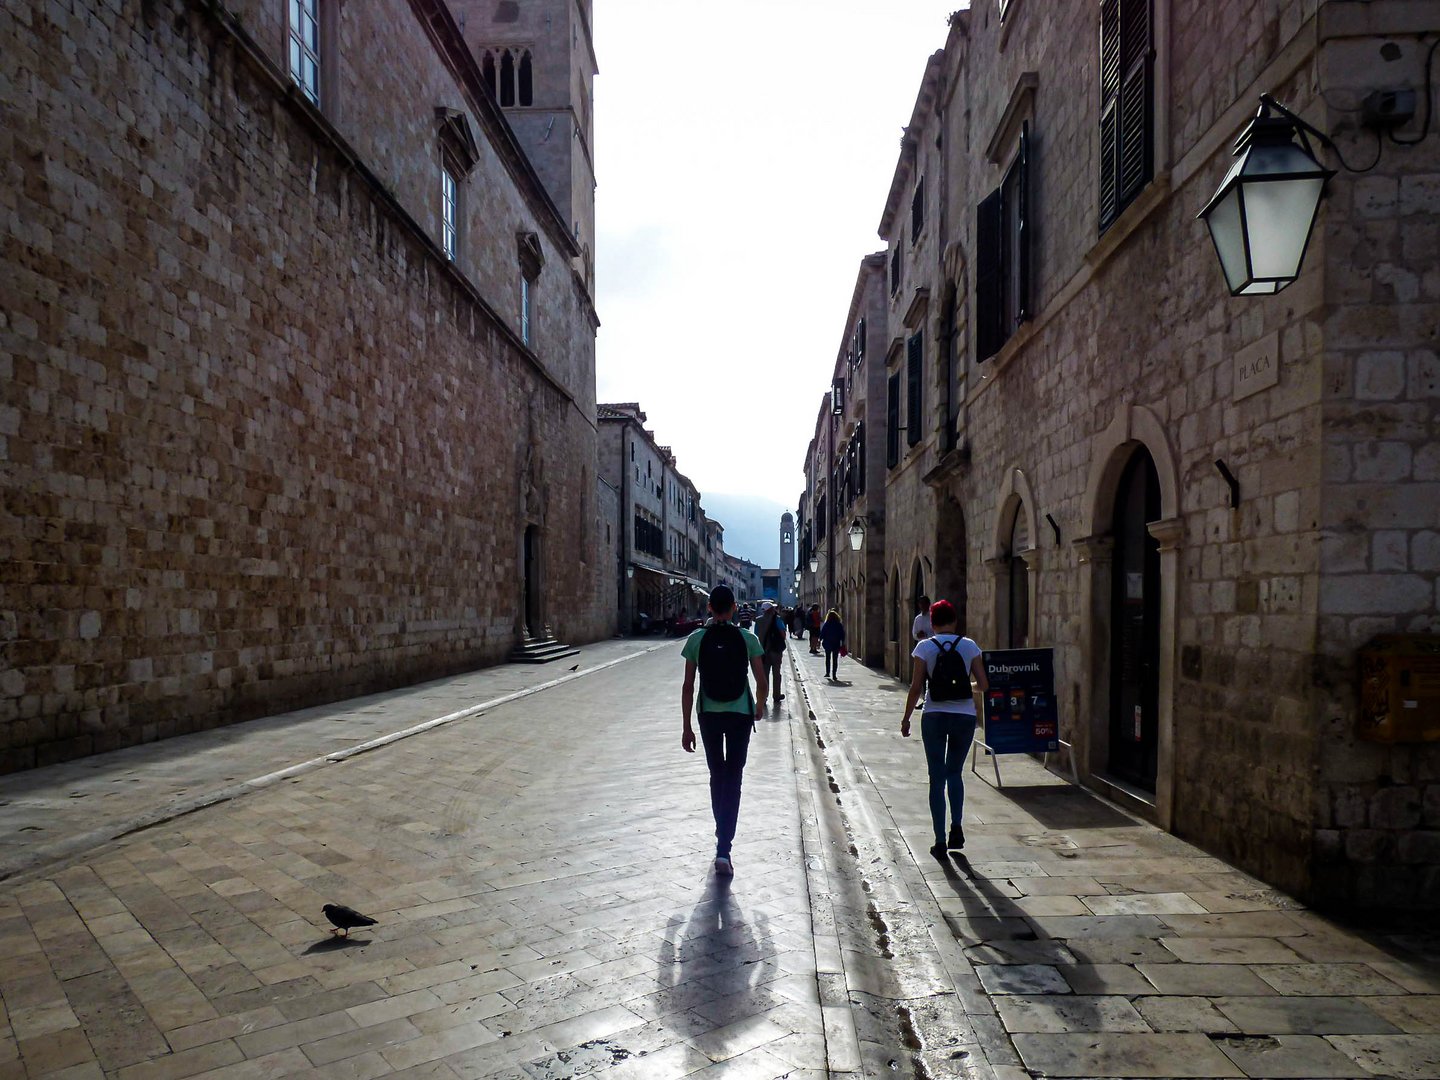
[575, 668]
[345, 918]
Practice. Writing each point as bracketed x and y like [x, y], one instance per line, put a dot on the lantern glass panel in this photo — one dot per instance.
[1229, 236]
[1278, 216]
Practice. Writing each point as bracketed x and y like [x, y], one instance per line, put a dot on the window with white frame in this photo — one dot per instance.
[449, 212]
[304, 32]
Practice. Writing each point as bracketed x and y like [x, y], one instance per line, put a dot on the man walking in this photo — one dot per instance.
[921, 628]
[770, 629]
[725, 656]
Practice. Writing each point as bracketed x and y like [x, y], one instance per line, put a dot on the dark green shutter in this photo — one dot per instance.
[914, 387]
[892, 421]
[989, 279]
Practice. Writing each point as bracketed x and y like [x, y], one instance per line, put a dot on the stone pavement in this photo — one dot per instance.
[61, 809]
[541, 875]
[1082, 942]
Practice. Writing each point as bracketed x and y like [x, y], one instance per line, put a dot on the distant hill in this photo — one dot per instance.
[752, 525]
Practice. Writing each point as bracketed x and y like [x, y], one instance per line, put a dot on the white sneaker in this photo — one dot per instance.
[723, 867]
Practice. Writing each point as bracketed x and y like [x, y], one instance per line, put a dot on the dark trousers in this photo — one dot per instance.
[832, 662]
[727, 742]
[947, 739]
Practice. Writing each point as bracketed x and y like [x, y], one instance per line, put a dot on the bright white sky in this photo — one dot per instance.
[743, 149]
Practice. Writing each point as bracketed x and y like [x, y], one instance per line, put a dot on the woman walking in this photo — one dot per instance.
[944, 665]
[832, 639]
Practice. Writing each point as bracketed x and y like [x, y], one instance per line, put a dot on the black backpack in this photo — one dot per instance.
[775, 635]
[723, 663]
[949, 677]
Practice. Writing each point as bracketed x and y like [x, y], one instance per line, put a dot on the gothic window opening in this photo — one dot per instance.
[507, 78]
[509, 75]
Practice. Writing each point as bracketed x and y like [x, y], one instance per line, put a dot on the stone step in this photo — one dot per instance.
[541, 651]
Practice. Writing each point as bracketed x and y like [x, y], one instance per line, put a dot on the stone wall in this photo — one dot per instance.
[1378, 806]
[1132, 341]
[259, 439]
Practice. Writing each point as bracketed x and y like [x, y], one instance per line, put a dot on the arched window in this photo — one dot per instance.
[507, 79]
[487, 71]
[526, 79]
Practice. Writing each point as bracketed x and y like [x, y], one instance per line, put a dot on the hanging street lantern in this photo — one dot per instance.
[1261, 217]
[856, 532]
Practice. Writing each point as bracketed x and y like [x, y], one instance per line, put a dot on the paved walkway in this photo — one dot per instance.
[60, 810]
[1085, 943]
[540, 870]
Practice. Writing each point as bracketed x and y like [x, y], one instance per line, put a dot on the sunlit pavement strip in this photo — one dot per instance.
[1106, 947]
[59, 810]
[541, 877]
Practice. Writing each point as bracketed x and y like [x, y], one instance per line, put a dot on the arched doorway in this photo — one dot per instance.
[1018, 584]
[917, 590]
[534, 602]
[1135, 625]
[952, 558]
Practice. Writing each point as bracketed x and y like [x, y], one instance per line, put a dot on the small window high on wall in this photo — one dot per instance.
[304, 34]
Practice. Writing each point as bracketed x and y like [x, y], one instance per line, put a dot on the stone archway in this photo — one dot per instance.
[1015, 566]
[952, 556]
[1112, 451]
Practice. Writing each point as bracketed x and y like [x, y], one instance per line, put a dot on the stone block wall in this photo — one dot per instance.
[262, 447]
[1378, 805]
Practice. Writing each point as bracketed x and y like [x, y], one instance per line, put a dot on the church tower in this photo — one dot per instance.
[538, 58]
[787, 559]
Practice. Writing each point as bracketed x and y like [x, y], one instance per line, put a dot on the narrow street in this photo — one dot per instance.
[539, 869]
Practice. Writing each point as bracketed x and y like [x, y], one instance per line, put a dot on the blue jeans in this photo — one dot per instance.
[947, 738]
[726, 737]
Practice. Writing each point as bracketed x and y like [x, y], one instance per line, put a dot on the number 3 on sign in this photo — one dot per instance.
[1138, 735]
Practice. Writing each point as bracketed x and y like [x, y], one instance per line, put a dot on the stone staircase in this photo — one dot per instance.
[541, 650]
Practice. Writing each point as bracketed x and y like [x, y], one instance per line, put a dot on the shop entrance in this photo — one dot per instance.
[1135, 626]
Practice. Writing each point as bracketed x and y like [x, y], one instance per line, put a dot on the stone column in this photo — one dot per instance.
[1090, 731]
[1167, 533]
[999, 570]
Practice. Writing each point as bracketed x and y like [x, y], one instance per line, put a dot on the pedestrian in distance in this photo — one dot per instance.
[921, 628]
[797, 622]
[945, 662]
[832, 640]
[812, 623]
[770, 629]
[725, 656]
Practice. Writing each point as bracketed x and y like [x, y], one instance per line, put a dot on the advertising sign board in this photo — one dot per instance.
[1020, 712]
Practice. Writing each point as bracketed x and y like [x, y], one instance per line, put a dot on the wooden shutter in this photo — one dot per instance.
[860, 458]
[1022, 228]
[1136, 99]
[914, 388]
[988, 277]
[1127, 104]
[892, 421]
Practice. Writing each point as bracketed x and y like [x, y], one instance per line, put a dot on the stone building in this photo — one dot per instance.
[298, 362]
[1080, 391]
[668, 555]
[850, 493]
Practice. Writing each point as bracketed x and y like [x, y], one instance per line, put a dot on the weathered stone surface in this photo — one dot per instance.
[264, 445]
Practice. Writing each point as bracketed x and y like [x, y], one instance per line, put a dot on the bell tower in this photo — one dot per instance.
[787, 559]
[538, 59]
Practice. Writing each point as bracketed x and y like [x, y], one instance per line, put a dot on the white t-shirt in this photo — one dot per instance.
[927, 651]
[920, 628]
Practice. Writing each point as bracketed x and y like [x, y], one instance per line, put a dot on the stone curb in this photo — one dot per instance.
[859, 814]
[39, 859]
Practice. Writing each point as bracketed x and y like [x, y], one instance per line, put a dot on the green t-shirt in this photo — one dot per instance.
[753, 648]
